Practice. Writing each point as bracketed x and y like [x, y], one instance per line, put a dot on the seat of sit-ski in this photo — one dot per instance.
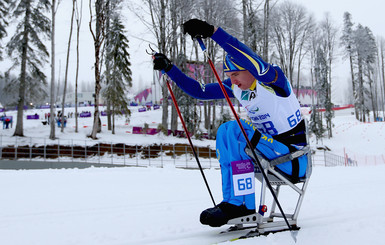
[276, 176]
[277, 179]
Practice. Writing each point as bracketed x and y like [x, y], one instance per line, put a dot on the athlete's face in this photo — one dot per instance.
[242, 79]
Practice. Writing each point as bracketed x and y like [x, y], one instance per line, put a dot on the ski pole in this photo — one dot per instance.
[245, 135]
[152, 53]
[189, 139]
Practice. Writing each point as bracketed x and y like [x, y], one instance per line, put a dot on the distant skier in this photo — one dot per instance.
[276, 126]
[7, 122]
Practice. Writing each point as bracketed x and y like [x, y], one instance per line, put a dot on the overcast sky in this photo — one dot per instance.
[368, 13]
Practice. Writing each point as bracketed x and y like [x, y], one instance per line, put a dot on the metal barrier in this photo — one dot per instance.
[178, 155]
[157, 155]
[328, 159]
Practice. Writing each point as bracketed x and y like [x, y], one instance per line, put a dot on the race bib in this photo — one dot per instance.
[243, 177]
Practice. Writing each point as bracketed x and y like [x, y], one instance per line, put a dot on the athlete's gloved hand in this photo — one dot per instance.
[161, 62]
[198, 28]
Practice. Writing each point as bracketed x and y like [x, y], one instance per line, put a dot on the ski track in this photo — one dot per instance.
[342, 206]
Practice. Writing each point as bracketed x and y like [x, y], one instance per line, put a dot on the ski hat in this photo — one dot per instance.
[230, 65]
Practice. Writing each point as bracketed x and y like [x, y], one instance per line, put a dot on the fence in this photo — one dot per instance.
[328, 159]
[159, 155]
[371, 159]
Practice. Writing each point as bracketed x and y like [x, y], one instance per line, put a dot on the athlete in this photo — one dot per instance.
[276, 126]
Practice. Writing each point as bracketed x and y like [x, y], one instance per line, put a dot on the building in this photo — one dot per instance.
[84, 99]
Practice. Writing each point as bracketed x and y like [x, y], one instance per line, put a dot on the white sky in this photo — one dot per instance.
[368, 13]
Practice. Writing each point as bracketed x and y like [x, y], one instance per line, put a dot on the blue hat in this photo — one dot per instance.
[229, 64]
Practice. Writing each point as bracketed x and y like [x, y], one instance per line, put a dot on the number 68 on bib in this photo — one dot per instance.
[243, 177]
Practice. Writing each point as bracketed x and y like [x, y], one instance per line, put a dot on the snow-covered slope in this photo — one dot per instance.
[162, 206]
[343, 205]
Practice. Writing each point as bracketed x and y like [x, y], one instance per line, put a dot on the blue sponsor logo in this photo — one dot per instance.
[260, 117]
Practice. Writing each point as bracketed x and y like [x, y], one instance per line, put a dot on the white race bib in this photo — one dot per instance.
[243, 177]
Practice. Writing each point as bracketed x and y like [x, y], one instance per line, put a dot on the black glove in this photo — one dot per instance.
[161, 62]
[198, 28]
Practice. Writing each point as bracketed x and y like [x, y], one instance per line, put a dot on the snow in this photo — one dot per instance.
[162, 206]
[136, 205]
[132, 205]
[123, 129]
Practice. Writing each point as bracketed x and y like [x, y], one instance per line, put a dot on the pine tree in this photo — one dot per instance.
[347, 41]
[370, 62]
[328, 34]
[366, 51]
[37, 91]
[118, 75]
[3, 22]
[321, 77]
[27, 49]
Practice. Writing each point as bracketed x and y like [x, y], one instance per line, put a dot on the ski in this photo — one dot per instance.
[256, 233]
[238, 228]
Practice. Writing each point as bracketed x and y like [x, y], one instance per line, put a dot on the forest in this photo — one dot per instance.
[281, 32]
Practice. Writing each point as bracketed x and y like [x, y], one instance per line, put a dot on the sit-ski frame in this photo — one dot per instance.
[275, 221]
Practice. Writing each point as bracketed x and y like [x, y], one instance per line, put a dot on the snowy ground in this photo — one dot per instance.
[162, 205]
[123, 128]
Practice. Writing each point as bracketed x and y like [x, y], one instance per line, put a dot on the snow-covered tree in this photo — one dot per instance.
[118, 74]
[369, 70]
[160, 28]
[98, 35]
[67, 64]
[361, 49]
[218, 13]
[8, 97]
[254, 33]
[291, 26]
[26, 48]
[366, 51]
[3, 22]
[53, 67]
[327, 45]
[321, 87]
[347, 41]
[78, 19]
[381, 68]
[179, 12]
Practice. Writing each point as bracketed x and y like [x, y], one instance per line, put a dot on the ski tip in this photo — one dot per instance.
[294, 235]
